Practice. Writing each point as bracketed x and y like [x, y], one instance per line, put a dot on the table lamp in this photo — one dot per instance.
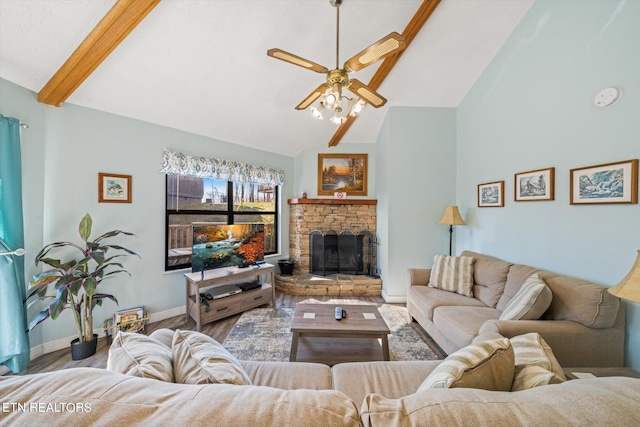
[451, 217]
[629, 287]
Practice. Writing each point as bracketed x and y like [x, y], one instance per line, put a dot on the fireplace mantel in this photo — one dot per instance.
[306, 201]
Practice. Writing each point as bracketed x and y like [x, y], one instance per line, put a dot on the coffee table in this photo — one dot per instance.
[317, 320]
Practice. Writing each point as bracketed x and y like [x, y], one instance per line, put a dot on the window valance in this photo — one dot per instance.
[175, 163]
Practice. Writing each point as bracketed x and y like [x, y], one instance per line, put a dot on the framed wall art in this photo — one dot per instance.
[113, 188]
[491, 195]
[607, 183]
[534, 185]
[342, 173]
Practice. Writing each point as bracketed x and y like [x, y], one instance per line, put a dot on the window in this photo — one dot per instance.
[206, 200]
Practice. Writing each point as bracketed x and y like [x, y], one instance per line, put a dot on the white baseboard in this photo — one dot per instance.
[62, 343]
[394, 299]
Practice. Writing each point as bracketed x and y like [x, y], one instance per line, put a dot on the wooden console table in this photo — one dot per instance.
[227, 306]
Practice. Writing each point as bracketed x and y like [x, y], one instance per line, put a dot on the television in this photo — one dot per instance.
[218, 246]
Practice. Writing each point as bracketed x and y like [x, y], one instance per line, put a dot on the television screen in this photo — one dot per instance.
[217, 246]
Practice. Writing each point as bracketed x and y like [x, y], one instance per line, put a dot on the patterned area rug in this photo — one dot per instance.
[264, 334]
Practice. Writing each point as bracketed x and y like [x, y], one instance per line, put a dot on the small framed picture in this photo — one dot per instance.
[114, 188]
[491, 195]
[534, 185]
[130, 319]
[607, 183]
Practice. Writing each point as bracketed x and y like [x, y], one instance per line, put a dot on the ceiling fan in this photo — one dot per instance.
[338, 79]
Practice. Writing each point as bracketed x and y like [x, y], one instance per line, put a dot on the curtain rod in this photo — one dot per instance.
[24, 125]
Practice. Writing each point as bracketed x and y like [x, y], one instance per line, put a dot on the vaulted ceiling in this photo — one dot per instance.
[201, 66]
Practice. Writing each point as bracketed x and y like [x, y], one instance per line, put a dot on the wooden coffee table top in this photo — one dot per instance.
[325, 322]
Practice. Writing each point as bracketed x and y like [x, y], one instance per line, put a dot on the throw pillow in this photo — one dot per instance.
[199, 359]
[141, 356]
[486, 365]
[453, 274]
[535, 364]
[530, 302]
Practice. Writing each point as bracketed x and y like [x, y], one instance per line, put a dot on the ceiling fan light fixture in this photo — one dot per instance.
[316, 112]
[330, 93]
[337, 119]
[357, 108]
[331, 98]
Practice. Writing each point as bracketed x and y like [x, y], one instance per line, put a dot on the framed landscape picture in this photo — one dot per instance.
[607, 183]
[534, 185]
[345, 173]
[491, 195]
[114, 188]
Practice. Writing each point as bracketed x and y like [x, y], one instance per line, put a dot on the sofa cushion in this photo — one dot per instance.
[288, 376]
[581, 301]
[489, 276]
[462, 324]
[97, 397]
[531, 301]
[199, 359]
[453, 274]
[141, 356]
[487, 365]
[594, 402]
[517, 275]
[428, 299]
[535, 364]
[393, 380]
[164, 335]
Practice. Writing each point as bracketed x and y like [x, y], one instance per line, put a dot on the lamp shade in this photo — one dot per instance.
[629, 287]
[452, 216]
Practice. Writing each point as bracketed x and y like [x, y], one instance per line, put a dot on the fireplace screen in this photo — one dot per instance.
[345, 252]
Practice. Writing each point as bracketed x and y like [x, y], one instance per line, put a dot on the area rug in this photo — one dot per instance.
[264, 334]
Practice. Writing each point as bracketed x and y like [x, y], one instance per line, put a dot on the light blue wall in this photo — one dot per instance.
[416, 156]
[533, 108]
[66, 147]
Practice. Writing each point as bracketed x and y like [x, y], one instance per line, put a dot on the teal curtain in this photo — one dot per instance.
[14, 340]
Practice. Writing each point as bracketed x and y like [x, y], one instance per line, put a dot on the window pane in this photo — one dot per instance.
[188, 193]
[254, 197]
[269, 221]
[179, 240]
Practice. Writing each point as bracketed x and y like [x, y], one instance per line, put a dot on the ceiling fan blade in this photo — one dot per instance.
[312, 97]
[384, 47]
[365, 92]
[296, 60]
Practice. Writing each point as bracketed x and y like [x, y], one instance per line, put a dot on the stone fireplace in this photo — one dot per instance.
[355, 217]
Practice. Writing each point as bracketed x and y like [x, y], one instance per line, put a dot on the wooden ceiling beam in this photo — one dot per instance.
[116, 25]
[412, 29]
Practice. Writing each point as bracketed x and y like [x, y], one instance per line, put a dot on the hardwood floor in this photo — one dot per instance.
[219, 330]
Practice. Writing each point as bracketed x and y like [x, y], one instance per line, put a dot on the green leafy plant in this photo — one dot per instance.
[75, 282]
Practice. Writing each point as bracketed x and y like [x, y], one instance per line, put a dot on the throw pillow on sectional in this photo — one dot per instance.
[199, 359]
[487, 365]
[141, 356]
[530, 302]
[453, 274]
[535, 364]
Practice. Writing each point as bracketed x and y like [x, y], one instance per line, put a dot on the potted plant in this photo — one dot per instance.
[75, 283]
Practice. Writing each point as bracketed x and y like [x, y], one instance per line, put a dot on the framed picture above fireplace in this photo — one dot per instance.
[342, 173]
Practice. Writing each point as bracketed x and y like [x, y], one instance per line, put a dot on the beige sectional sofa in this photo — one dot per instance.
[584, 325]
[306, 394]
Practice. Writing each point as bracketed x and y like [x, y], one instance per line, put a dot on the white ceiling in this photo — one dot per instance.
[201, 66]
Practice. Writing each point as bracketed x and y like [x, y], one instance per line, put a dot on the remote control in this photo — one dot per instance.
[344, 313]
[338, 313]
